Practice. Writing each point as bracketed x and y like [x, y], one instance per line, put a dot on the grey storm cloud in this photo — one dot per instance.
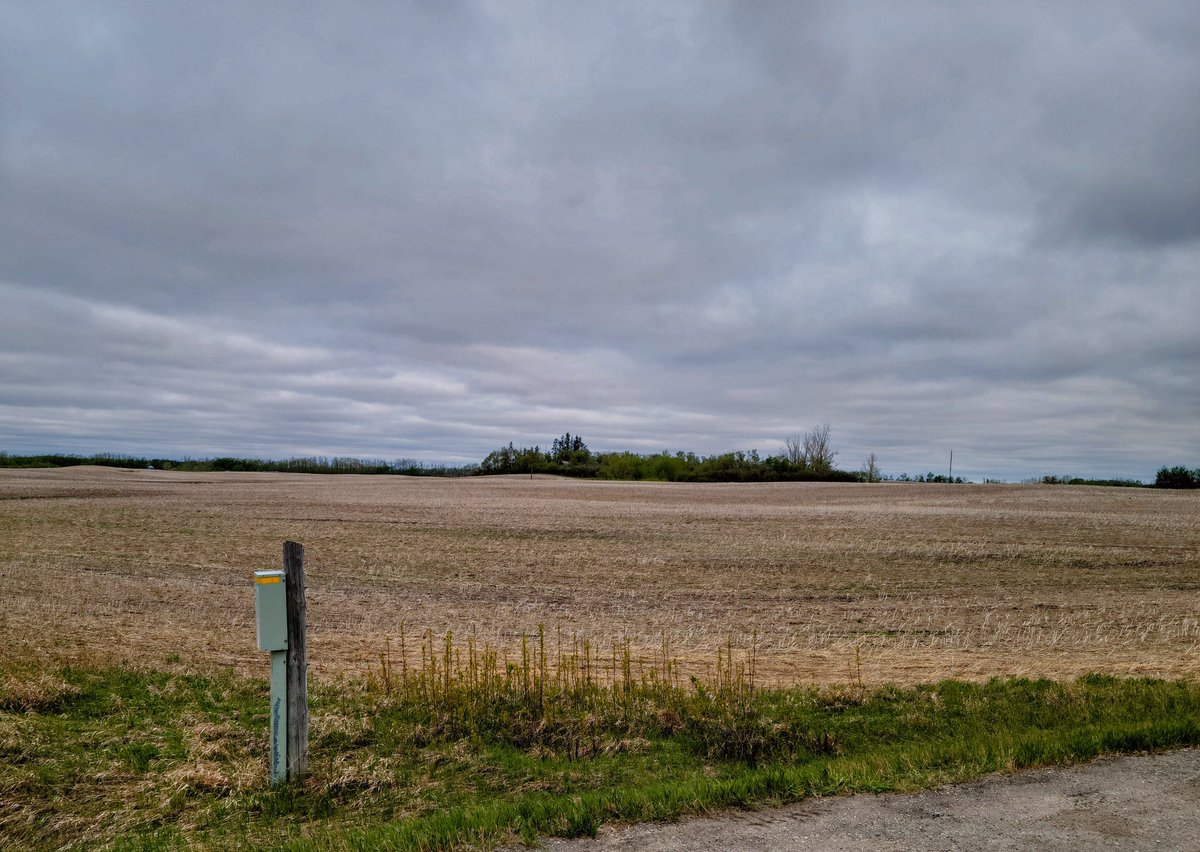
[426, 229]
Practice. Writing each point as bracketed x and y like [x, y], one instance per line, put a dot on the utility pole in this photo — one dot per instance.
[952, 465]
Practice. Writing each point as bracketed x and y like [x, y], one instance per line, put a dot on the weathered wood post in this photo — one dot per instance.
[297, 661]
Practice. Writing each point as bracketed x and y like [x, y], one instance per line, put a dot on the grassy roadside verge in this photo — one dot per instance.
[469, 752]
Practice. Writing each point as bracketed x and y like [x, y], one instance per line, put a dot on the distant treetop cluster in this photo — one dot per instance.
[1177, 477]
[808, 457]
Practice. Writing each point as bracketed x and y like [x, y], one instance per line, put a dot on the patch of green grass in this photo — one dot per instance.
[465, 750]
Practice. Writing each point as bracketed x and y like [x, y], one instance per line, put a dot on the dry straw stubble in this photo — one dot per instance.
[917, 582]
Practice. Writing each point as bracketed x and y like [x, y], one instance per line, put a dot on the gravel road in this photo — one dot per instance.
[1140, 802]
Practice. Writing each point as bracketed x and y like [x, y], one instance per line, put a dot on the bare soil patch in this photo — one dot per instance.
[916, 582]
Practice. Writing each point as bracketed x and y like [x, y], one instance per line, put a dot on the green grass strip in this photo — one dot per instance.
[131, 759]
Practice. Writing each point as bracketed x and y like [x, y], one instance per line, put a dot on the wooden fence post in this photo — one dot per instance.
[297, 661]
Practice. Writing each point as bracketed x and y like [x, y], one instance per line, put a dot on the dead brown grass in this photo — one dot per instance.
[926, 581]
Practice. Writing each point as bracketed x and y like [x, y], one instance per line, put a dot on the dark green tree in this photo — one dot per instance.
[570, 449]
[1177, 477]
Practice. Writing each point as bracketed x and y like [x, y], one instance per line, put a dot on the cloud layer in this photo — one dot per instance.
[428, 229]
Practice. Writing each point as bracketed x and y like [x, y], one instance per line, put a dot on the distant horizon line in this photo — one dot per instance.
[415, 462]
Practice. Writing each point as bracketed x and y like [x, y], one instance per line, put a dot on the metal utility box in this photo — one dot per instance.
[270, 605]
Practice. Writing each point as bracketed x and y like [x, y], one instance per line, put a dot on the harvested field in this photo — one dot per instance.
[916, 582]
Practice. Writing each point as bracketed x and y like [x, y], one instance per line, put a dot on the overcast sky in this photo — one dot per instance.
[426, 229]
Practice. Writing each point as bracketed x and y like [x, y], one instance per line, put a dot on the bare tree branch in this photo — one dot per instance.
[793, 449]
[870, 469]
[818, 449]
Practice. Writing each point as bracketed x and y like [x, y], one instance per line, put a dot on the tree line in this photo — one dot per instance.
[303, 464]
[806, 457]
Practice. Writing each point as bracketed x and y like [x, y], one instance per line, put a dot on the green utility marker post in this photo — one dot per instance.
[270, 605]
[279, 603]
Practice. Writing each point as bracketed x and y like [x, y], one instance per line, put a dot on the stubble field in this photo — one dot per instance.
[830, 583]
